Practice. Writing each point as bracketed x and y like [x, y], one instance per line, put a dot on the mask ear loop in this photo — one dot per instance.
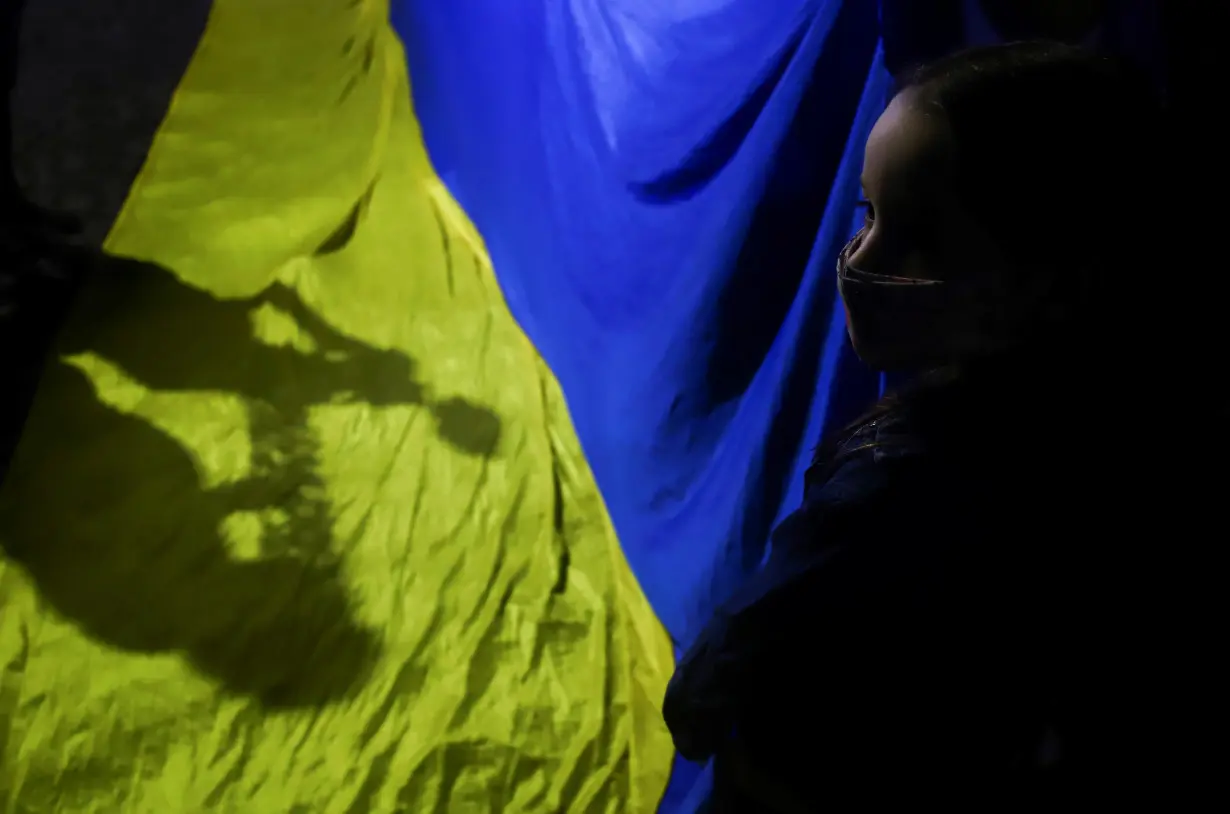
[843, 256]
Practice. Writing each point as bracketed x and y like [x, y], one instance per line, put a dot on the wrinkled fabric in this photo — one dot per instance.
[299, 522]
[663, 188]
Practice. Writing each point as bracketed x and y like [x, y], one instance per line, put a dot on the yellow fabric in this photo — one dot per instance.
[301, 533]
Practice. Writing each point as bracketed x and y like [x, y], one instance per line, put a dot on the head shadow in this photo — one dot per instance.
[114, 522]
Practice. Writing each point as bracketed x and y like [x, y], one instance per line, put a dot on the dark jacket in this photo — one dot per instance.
[936, 620]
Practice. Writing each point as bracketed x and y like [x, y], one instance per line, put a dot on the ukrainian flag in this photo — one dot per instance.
[300, 522]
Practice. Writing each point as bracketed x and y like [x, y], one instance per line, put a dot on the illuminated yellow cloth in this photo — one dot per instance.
[299, 522]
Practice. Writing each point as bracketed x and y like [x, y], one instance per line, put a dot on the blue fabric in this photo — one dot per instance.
[663, 188]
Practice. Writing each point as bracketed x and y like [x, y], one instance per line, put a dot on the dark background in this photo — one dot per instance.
[96, 77]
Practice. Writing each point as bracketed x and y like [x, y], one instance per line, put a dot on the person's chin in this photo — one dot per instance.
[882, 361]
[868, 354]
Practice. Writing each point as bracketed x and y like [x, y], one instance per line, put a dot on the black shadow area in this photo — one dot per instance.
[110, 516]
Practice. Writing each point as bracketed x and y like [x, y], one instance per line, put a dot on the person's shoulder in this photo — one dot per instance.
[868, 460]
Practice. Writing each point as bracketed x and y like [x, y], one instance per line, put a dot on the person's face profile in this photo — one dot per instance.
[915, 227]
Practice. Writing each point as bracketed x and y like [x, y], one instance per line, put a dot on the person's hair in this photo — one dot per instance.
[1060, 153]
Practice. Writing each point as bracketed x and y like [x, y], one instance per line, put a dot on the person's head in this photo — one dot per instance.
[1013, 195]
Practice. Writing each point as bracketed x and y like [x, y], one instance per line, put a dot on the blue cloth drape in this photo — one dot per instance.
[663, 188]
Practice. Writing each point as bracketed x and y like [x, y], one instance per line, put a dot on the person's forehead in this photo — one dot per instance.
[907, 147]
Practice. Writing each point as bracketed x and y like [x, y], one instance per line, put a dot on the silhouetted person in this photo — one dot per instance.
[983, 602]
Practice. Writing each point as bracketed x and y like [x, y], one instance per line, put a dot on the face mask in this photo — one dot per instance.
[903, 322]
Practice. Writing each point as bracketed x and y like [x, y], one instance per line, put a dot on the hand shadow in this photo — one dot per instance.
[195, 324]
[110, 516]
